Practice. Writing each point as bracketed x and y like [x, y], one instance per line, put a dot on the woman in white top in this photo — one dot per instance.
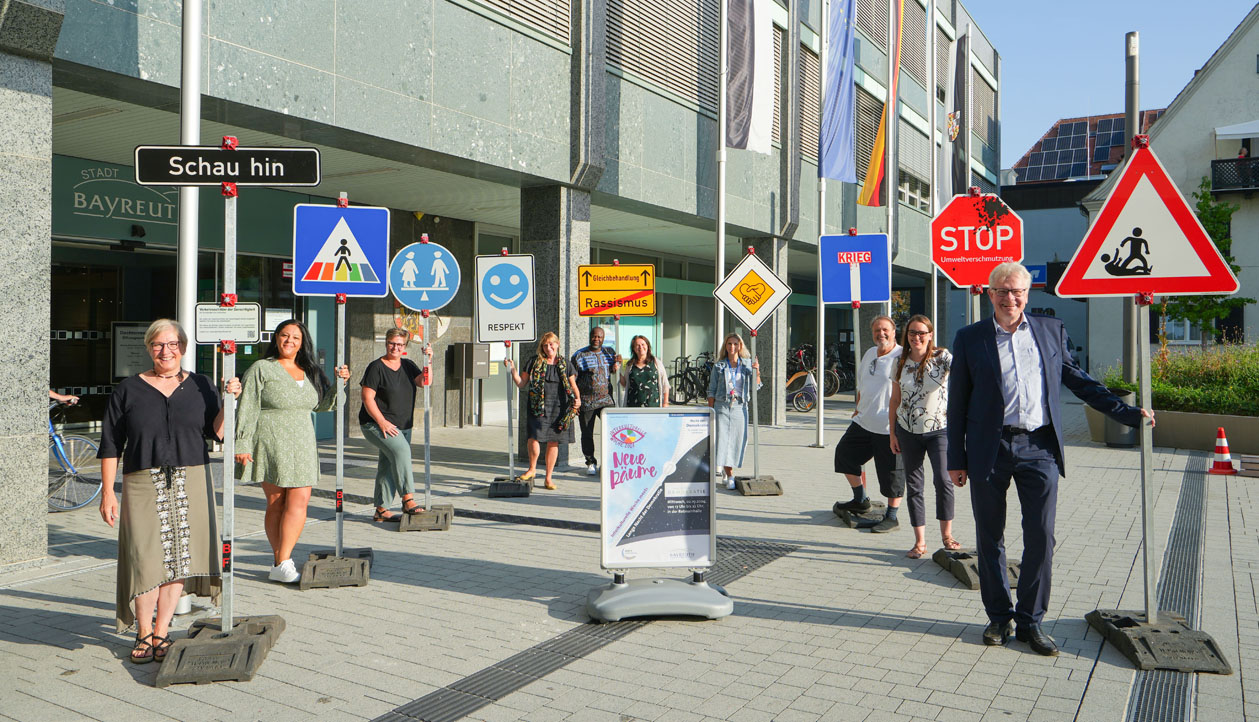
[917, 418]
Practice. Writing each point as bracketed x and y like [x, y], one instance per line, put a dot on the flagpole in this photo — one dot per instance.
[821, 217]
[891, 180]
[723, 77]
[932, 186]
[968, 121]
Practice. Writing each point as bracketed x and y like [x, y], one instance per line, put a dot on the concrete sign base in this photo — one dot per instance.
[505, 488]
[964, 564]
[1170, 644]
[758, 486]
[325, 570]
[436, 518]
[851, 518]
[208, 655]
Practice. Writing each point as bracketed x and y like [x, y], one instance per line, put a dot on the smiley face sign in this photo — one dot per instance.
[505, 286]
[505, 299]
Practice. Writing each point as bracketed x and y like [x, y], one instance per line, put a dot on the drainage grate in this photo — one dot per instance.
[1161, 695]
[738, 557]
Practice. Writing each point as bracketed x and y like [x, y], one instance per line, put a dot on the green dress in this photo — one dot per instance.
[273, 423]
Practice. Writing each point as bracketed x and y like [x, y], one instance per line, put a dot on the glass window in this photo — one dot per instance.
[702, 272]
[699, 325]
[670, 268]
[488, 244]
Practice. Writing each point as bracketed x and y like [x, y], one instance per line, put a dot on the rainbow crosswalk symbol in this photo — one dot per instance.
[333, 262]
[340, 250]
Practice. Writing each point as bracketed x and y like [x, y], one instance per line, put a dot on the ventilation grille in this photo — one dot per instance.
[552, 17]
[668, 42]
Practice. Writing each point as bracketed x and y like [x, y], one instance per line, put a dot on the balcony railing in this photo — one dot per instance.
[1235, 174]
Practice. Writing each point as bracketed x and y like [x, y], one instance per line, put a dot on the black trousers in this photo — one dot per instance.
[913, 448]
[1028, 459]
[586, 420]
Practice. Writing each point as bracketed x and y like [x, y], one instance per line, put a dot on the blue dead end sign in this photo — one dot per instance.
[424, 276]
[340, 250]
[856, 268]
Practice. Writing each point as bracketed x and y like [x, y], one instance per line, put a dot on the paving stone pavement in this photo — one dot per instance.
[843, 628]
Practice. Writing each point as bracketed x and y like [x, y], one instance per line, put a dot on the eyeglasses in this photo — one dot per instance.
[1004, 292]
[919, 334]
[169, 345]
[397, 344]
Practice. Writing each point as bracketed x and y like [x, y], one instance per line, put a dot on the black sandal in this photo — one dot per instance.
[159, 652]
[412, 510]
[147, 657]
[380, 516]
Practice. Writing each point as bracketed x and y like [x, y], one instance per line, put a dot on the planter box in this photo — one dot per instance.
[1186, 430]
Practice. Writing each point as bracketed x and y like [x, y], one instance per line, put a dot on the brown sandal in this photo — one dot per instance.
[917, 551]
[147, 656]
[950, 543]
[415, 507]
[380, 515]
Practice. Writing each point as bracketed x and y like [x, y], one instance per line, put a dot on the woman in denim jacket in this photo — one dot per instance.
[729, 393]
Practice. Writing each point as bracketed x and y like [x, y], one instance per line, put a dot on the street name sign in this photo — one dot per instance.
[973, 235]
[616, 290]
[856, 268]
[194, 165]
[506, 305]
[340, 250]
[1146, 239]
[752, 291]
[241, 323]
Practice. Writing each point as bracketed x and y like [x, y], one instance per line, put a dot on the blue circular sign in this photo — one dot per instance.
[505, 286]
[424, 276]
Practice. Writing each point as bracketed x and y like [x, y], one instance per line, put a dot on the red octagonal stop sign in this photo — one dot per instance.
[973, 235]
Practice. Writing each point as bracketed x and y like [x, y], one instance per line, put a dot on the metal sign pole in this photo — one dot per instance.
[428, 412]
[511, 394]
[1147, 466]
[616, 329]
[341, 298]
[756, 426]
[229, 406]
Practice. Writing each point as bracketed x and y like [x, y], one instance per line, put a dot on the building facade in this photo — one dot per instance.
[581, 131]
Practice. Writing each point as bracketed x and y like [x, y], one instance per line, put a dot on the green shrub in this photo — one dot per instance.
[1215, 380]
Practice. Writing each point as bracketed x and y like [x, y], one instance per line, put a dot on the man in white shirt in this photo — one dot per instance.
[868, 436]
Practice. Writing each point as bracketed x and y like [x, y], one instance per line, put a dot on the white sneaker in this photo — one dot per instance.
[285, 572]
[730, 483]
[592, 469]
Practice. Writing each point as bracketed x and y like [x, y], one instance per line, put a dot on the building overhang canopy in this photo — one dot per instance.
[1240, 131]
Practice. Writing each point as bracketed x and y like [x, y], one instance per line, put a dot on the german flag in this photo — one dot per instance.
[873, 190]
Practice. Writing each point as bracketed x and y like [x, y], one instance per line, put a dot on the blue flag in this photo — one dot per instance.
[837, 151]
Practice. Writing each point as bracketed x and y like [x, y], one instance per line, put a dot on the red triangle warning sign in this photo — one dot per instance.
[1146, 239]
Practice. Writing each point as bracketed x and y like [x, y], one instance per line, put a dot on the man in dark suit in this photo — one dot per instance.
[1005, 422]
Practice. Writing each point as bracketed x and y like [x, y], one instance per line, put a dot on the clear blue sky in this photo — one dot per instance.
[1066, 58]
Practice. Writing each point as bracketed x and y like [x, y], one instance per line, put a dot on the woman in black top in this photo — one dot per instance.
[157, 422]
[386, 419]
[553, 401]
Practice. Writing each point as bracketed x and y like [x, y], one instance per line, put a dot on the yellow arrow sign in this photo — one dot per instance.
[628, 277]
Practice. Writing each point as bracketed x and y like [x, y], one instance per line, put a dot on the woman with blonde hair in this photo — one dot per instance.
[917, 416]
[730, 389]
[553, 401]
[157, 422]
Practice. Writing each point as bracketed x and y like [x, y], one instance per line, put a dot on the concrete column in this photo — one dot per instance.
[555, 228]
[771, 340]
[28, 35]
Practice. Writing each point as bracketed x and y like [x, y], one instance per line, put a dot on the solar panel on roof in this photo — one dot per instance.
[1079, 169]
[1102, 154]
[1079, 155]
[1103, 125]
[1049, 144]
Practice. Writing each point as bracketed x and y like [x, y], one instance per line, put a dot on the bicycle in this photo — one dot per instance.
[679, 387]
[74, 472]
[802, 391]
[801, 361]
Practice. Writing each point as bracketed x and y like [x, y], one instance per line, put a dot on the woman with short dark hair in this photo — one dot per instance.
[388, 389]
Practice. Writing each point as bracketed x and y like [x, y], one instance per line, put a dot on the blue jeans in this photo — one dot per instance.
[393, 464]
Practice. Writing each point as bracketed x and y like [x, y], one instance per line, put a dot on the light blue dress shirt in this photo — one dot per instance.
[1022, 377]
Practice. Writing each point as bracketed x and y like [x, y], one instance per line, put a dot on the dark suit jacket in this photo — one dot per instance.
[977, 408]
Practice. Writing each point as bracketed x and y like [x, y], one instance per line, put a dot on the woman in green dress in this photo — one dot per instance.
[275, 436]
[644, 378]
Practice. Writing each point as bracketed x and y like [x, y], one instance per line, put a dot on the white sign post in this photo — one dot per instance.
[753, 292]
[506, 311]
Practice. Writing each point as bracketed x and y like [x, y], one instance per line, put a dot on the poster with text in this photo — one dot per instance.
[657, 488]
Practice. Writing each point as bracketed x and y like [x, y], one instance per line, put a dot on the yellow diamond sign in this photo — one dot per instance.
[752, 292]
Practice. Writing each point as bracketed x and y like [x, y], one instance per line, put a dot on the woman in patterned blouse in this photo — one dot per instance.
[157, 422]
[920, 400]
[644, 378]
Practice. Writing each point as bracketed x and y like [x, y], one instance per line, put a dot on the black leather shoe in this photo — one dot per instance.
[998, 633]
[858, 507]
[1040, 642]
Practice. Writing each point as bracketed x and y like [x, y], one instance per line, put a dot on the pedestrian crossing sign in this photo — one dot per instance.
[340, 250]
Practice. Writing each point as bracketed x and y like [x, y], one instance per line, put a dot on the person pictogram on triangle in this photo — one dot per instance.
[343, 255]
[1137, 248]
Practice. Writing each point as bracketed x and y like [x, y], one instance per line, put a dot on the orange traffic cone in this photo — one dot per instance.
[1223, 463]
